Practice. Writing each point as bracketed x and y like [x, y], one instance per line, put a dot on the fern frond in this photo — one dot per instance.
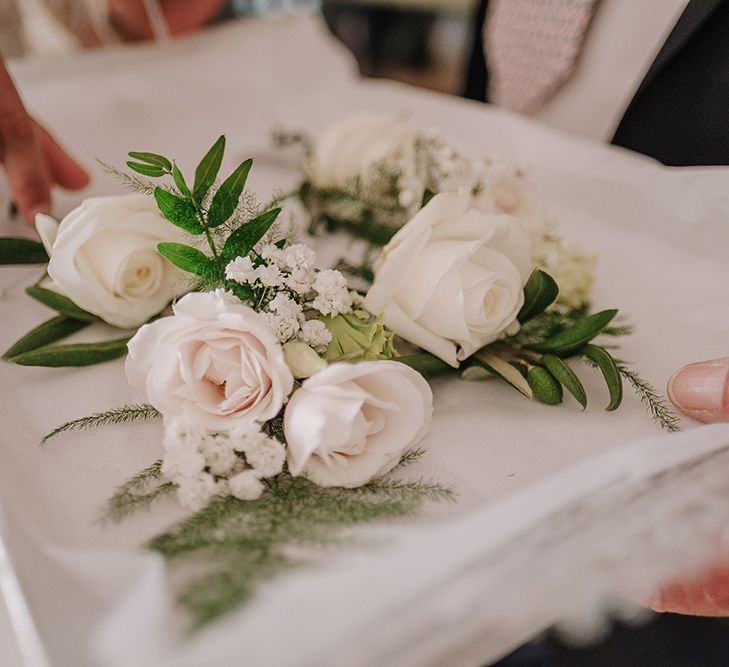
[124, 415]
[659, 409]
[139, 492]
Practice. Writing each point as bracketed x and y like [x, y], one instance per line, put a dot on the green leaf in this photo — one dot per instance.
[152, 158]
[243, 292]
[242, 240]
[540, 292]
[574, 337]
[545, 386]
[610, 372]
[59, 303]
[187, 258]
[226, 198]
[82, 354]
[16, 250]
[180, 181]
[147, 169]
[429, 366]
[178, 211]
[427, 196]
[44, 334]
[567, 377]
[504, 370]
[207, 170]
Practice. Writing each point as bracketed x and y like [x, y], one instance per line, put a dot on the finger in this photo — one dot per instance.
[20, 152]
[706, 596]
[63, 169]
[701, 390]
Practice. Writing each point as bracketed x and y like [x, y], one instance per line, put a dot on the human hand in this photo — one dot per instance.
[32, 159]
[700, 391]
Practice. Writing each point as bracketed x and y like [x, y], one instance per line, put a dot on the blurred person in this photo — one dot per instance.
[651, 76]
[33, 160]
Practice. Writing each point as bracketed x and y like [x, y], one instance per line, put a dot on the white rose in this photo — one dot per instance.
[350, 423]
[104, 258]
[350, 149]
[215, 361]
[451, 280]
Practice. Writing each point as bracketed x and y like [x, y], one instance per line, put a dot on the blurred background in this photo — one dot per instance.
[426, 43]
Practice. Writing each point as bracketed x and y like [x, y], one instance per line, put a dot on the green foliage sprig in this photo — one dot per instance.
[535, 360]
[202, 210]
[125, 415]
[236, 545]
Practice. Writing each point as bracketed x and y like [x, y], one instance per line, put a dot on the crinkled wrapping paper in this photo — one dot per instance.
[661, 234]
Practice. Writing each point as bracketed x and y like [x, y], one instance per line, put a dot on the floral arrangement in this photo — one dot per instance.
[287, 398]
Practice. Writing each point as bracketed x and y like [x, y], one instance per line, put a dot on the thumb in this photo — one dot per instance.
[701, 390]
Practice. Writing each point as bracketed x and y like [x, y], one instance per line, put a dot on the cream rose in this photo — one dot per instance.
[104, 258]
[215, 361]
[350, 423]
[349, 150]
[451, 280]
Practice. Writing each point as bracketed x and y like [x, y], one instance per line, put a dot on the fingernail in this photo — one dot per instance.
[702, 390]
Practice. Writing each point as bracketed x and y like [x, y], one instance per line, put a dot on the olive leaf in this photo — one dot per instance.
[574, 337]
[502, 369]
[60, 303]
[567, 377]
[81, 354]
[16, 250]
[545, 386]
[44, 334]
[610, 372]
[540, 292]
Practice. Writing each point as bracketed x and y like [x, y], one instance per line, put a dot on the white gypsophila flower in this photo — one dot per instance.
[266, 458]
[182, 461]
[283, 327]
[315, 334]
[194, 493]
[246, 437]
[218, 452]
[179, 431]
[269, 275]
[273, 255]
[298, 256]
[241, 270]
[333, 297]
[245, 486]
[284, 306]
[300, 281]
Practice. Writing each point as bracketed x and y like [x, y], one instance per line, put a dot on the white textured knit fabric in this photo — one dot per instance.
[532, 47]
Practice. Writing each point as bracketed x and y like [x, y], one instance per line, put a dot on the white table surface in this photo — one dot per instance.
[662, 235]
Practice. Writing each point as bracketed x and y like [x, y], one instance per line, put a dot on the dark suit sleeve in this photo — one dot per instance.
[680, 115]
